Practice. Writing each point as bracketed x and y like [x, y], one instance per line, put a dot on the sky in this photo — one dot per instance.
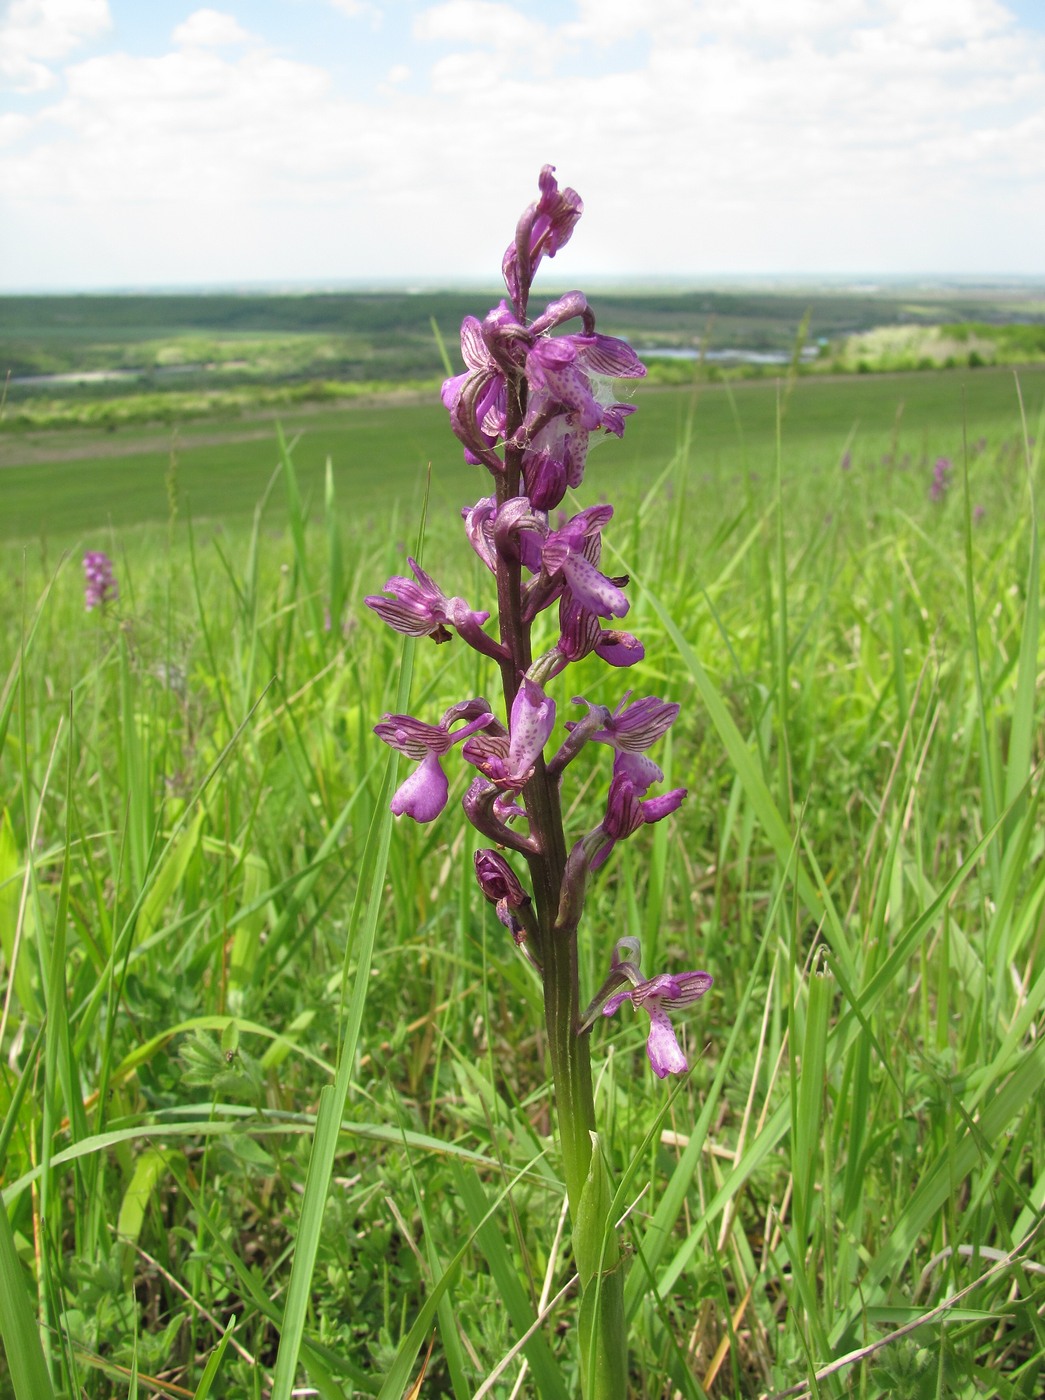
[155, 143]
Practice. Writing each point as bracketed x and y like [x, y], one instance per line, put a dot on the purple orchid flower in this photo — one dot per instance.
[563, 558]
[497, 880]
[554, 459]
[490, 810]
[566, 554]
[560, 369]
[941, 481]
[500, 884]
[424, 793]
[570, 397]
[581, 633]
[478, 523]
[508, 759]
[633, 728]
[477, 399]
[656, 996]
[543, 229]
[627, 807]
[422, 609]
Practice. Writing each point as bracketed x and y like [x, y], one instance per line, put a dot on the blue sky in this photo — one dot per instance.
[327, 141]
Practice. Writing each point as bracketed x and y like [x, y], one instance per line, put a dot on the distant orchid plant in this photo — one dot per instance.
[100, 585]
[941, 482]
[525, 409]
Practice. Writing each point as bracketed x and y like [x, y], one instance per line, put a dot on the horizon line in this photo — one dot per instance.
[866, 281]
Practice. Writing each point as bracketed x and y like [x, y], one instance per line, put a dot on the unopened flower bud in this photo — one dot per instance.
[498, 881]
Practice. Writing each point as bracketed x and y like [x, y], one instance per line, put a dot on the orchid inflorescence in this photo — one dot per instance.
[941, 482]
[526, 407]
[99, 581]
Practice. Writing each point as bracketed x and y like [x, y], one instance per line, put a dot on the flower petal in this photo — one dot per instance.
[592, 589]
[413, 737]
[533, 719]
[615, 1002]
[655, 809]
[424, 793]
[673, 988]
[605, 354]
[619, 648]
[665, 1054]
[640, 724]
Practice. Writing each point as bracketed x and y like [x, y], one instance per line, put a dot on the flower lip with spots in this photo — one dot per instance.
[508, 760]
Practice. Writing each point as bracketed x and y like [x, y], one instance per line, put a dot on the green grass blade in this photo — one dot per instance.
[740, 755]
[213, 1366]
[489, 1238]
[808, 1105]
[193, 1121]
[440, 345]
[1021, 737]
[361, 937]
[298, 522]
[398, 1376]
[310, 1225]
[335, 553]
[21, 1337]
[10, 690]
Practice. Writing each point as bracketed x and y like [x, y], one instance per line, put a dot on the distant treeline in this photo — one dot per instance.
[757, 319]
[260, 347]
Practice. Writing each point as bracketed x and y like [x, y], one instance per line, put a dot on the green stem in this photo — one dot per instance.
[603, 1340]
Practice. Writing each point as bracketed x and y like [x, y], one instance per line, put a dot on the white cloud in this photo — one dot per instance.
[13, 126]
[359, 9]
[188, 127]
[210, 29]
[482, 23]
[712, 134]
[507, 39]
[34, 33]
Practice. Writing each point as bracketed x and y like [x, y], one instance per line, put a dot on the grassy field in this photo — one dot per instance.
[208, 923]
[58, 483]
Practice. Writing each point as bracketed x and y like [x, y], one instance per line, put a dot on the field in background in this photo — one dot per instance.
[197, 872]
[78, 482]
[229, 337]
[114, 362]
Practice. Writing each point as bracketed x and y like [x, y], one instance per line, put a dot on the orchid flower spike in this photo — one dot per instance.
[100, 585]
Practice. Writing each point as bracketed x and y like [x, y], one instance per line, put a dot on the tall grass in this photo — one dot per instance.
[273, 1091]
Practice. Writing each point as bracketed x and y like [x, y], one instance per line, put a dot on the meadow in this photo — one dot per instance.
[225, 967]
[69, 482]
